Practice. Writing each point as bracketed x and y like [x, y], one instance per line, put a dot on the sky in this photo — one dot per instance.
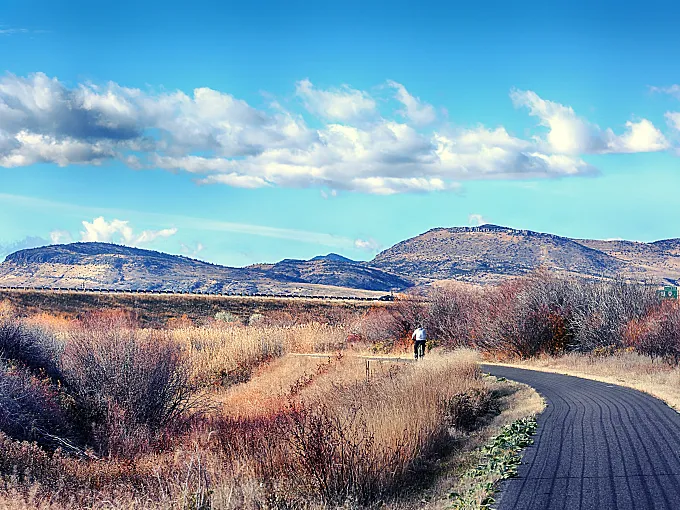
[243, 132]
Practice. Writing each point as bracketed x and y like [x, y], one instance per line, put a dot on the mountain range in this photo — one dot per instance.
[486, 254]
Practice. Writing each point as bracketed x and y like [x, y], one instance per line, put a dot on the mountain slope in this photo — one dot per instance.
[102, 265]
[485, 254]
[491, 253]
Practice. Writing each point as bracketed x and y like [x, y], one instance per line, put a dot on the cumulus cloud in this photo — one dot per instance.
[343, 104]
[370, 245]
[224, 140]
[119, 231]
[419, 112]
[570, 134]
[475, 220]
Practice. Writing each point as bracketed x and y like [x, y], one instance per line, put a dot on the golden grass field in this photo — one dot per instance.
[279, 429]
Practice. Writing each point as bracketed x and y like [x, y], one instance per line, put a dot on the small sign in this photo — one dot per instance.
[668, 292]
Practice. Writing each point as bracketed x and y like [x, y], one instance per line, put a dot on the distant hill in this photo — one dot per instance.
[491, 253]
[110, 266]
[481, 255]
[334, 257]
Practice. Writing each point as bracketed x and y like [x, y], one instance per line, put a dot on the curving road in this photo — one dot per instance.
[598, 446]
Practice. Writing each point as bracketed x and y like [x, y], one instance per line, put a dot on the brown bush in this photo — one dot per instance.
[454, 316]
[33, 348]
[125, 381]
[30, 410]
[377, 324]
[657, 334]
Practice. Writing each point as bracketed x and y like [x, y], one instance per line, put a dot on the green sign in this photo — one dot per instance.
[668, 292]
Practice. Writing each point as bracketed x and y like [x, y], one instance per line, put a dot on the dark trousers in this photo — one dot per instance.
[419, 349]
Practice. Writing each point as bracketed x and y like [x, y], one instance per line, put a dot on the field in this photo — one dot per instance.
[110, 402]
[263, 410]
[157, 309]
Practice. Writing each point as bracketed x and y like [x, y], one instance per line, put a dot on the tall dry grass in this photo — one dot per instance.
[224, 354]
[342, 439]
[299, 432]
[283, 430]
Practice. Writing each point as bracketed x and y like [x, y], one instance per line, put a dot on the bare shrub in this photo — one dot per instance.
[31, 347]
[657, 334]
[604, 309]
[124, 381]
[377, 324]
[516, 321]
[547, 314]
[411, 311]
[454, 315]
[30, 410]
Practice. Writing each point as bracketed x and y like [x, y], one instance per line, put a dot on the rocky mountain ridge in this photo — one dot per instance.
[485, 254]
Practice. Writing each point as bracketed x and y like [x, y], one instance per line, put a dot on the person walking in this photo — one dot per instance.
[419, 337]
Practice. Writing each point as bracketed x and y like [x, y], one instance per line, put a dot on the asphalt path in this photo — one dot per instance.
[598, 446]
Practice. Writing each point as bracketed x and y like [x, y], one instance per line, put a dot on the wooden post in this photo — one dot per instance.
[368, 369]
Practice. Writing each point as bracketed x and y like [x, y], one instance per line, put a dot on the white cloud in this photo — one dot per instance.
[673, 90]
[476, 220]
[419, 112]
[236, 180]
[61, 237]
[224, 140]
[673, 119]
[119, 231]
[640, 136]
[344, 104]
[393, 185]
[191, 251]
[370, 245]
[570, 134]
[330, 194]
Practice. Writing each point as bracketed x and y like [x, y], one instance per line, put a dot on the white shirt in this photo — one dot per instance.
[418, 335]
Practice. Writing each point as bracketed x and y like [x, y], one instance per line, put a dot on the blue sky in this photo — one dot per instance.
[245, 133]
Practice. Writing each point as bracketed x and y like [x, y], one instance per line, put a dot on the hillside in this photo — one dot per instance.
[482, 255]
[101, 265]
[491, 253]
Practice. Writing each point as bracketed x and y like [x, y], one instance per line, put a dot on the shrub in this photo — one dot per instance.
[31, 347]
[544, 313]
[453, 316]
[465, 409]
[125, 381]
[377, 325]
[658, 333]
[227, 317]
[7, 310]
[30, 410]
[255, 319]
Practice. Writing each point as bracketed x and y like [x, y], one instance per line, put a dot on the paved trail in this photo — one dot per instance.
[598, 446]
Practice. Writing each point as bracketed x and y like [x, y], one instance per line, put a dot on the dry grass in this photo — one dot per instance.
[283, 431]
[625, 368]
[223, 354]
[514, 401]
